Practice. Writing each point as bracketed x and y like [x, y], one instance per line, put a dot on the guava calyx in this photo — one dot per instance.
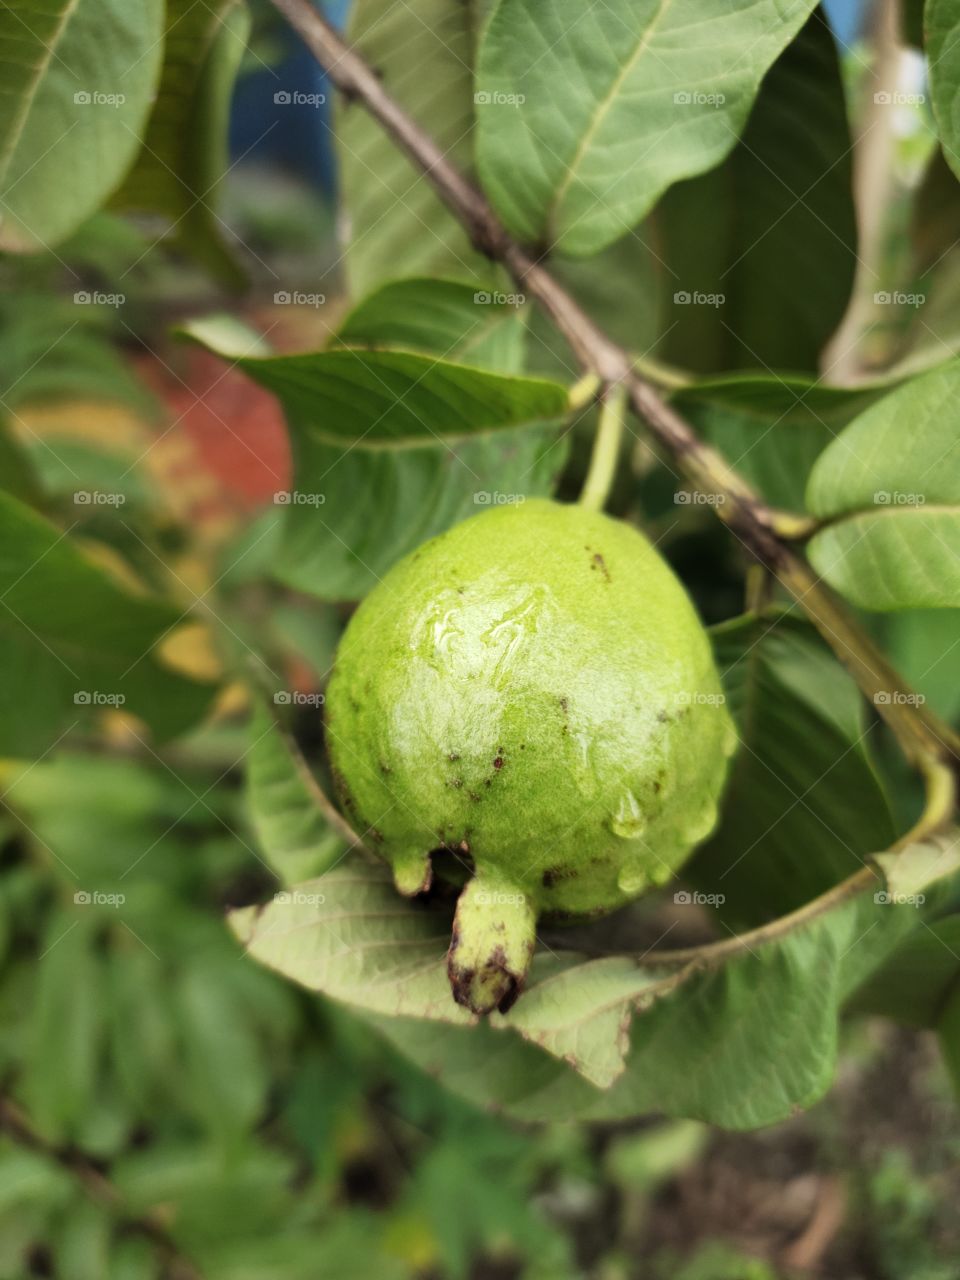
[494, 932]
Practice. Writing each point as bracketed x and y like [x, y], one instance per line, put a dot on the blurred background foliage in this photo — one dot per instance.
[172, 1111]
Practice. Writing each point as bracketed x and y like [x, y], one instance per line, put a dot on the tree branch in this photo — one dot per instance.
[920, 733]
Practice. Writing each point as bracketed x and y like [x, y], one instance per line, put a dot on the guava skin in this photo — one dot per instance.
[533, 691]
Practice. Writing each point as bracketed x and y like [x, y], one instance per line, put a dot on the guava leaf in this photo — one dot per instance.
[330, 935]
[912, 986]
[381, 504]
[398, 226]
[580, 1011]
[184, 153]
[941, 22]
[380, 399]
[892, 496]
[440, 317]
[772, 429]
[76, 103]
[742, 1046]
[585, 116]
[338, 548]
[295, 836]
[803, 807]
[350, 935]
[72, 642]
[771, 233]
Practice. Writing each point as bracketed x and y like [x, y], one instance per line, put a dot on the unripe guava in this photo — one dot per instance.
[533, 693]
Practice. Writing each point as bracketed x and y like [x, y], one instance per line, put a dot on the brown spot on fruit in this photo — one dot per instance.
[498, 762]
[598, 562]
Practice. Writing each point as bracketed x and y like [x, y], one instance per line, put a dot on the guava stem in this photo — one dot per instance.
[494, 932]
[606, 450]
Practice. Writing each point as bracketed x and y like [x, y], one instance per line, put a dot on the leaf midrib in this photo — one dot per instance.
[29, 97]
[599, 116]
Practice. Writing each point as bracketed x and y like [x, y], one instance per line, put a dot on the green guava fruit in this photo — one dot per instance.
[532, 693]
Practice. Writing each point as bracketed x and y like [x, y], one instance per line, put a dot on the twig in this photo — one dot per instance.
[606, 450]
[920, 733]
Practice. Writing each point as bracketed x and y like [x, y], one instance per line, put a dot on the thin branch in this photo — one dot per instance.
[606, 450]
[760, 529]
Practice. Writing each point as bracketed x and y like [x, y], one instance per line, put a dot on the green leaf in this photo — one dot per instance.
[941, 21]
[293, 834]
[923, 645]
[580, 1011]
[350, 935]
[184, 153]
[79, 77]
[381, 504]
[890, 485]
[54, 349]
[913, 985]
[376, 399]
[440, 317]
[772, 429]
[397, 224]
[72, 642]
[224, 1067]
[741, 1046]
[803, 808]
[585, 116]
[66, 1026]
[16, 473]
[341, 546]
[771, 232]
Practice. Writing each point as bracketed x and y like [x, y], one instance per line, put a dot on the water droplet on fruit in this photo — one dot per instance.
[629, 820]
[632, 880]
